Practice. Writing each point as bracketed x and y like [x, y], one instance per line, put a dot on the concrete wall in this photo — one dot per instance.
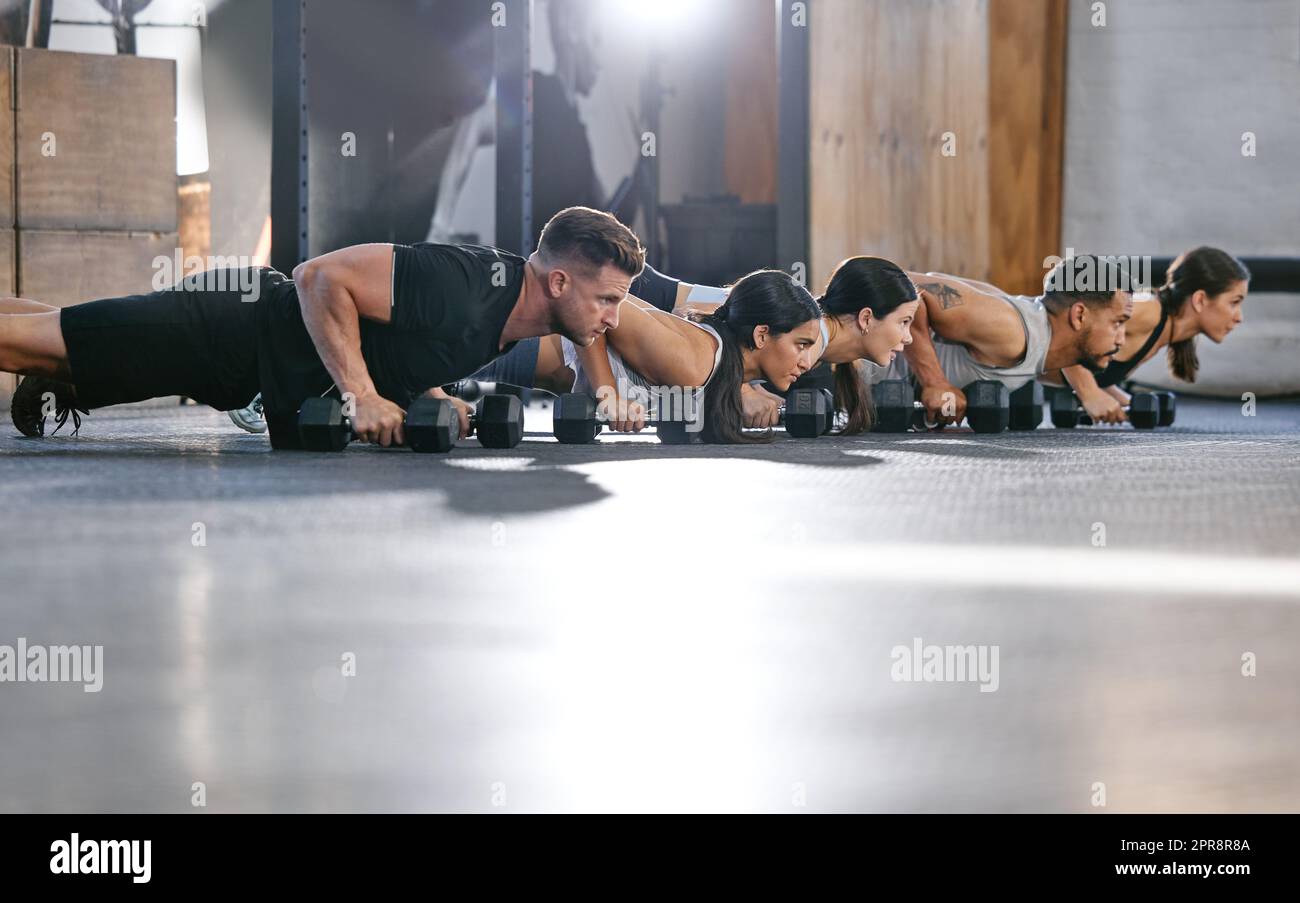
[1157, 101]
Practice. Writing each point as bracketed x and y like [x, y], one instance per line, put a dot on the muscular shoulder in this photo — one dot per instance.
[986, 324]
[666, 348]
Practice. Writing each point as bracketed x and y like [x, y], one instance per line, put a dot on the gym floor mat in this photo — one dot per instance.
[630, 626]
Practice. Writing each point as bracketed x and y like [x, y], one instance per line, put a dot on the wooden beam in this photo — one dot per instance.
[1027, 44]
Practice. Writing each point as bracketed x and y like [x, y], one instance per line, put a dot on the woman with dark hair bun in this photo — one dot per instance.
[768, 329]
[868, 306]
[1203, 294]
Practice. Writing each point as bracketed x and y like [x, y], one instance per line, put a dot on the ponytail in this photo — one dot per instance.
[853, 395]
[1202, 269]
[724, 413]
[1183, 361]
[765, 298]
[862, 283]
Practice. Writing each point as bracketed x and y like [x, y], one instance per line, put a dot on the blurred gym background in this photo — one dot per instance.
[975, 137]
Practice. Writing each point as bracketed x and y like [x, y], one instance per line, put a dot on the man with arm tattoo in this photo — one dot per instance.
[966, 331]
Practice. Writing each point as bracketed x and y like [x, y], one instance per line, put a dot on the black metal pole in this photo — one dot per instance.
[41, 31]
[1267, 274]
[652, 102]
[792, 135]
[512, 57]
[289, 135]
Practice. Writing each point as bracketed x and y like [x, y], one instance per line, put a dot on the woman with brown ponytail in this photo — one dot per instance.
[768, 328]
[1203, 294]
[867, 312]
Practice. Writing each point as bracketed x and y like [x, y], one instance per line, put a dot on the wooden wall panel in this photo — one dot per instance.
[63, 268]
[8, 268]
[112, 120]
[6, 137]
[751, 111]
[889, 79]
[1027, 42]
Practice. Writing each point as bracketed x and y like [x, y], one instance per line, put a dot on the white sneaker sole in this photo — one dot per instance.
[247, 422]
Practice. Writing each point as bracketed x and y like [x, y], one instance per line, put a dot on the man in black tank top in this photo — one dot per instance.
[379, 323]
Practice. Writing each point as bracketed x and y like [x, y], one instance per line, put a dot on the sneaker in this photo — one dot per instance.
[29, 409]
[250, 419]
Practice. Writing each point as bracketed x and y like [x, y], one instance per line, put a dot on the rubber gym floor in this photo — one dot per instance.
[632, 626]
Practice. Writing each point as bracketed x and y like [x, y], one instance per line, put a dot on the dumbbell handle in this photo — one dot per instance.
[473, 424]
[1082, 418]
[780, 419]
[647, 417]
[1085, 419]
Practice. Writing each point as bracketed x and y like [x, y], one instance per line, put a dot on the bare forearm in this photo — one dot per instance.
[594, 359]
[920, 354]
[1081, 380]
[332, 321]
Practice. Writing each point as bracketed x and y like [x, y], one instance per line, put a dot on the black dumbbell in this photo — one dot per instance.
[575, 421]
[806, 414]
[431, 424]
[897, 409]
[498, 421]
[1168, 403]
[988, 406]
[1143, 410]
[470, 390]
[1168, 407]
[1027, 406]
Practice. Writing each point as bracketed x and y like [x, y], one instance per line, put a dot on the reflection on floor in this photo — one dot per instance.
[632, 626]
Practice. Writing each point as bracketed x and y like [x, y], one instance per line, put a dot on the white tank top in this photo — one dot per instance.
[623, 372]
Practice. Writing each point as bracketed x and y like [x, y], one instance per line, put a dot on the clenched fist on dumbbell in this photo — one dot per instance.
[430, 424]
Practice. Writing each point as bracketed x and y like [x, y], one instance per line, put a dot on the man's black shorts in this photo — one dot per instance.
[193, 340]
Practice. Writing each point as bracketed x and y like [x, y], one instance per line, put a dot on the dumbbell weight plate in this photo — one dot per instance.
[808, 413]
[499, 421]
[830, 410]
[1027, 407]
[432, 426]
[574, 419]
[1144, 411]
[894, 405]
[1064, 410]
[322, 426]
[1168, 407]
[673, 432]
[988, 406]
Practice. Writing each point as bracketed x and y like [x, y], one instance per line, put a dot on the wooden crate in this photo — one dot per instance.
[66, 267]
[111, 123]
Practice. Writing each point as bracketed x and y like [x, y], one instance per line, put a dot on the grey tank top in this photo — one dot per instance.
[962, 369]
